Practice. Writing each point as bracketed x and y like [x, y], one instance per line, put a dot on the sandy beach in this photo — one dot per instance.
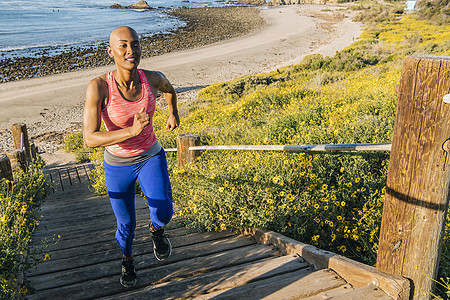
[52, 105]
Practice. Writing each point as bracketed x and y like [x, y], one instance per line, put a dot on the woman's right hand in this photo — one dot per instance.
[141, 119]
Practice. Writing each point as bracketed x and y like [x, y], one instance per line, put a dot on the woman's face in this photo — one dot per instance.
[125, 48]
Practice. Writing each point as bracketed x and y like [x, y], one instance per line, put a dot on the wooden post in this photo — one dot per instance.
[184, 156]
[417, 190]
[17, 159]
[20, 137]
[5, 167]
[33, 150]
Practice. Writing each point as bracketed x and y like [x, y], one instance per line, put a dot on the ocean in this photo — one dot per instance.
[29, 27]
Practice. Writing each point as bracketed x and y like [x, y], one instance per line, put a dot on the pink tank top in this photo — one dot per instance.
[119, 113]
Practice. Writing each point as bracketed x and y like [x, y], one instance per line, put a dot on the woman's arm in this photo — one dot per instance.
[171, 98]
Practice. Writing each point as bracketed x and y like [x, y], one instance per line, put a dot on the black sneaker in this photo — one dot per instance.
[128, 278]
[161, 244]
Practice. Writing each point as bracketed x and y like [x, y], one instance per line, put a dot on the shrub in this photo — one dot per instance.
[19, 215]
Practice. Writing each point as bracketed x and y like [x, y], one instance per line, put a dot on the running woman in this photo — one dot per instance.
[125, 100]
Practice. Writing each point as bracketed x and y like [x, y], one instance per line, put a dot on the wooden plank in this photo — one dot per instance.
[151, 274]
[417, 190]
[67, 244]
[295, 285]
[95, 269]
[357, 274]
[330, 294]
[368, 292]
[83, 256]
[76, 224]
[291, 266]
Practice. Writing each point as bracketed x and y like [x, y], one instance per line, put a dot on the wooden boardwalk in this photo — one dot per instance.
[85, 261]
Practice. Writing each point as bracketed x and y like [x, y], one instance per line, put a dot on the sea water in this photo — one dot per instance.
[30, 27]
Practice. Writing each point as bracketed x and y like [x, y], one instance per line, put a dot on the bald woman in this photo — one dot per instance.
[125, 100]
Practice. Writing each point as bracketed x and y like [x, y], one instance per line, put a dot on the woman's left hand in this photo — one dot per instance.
[173, 122]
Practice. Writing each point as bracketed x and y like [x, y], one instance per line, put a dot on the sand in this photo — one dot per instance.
[52, 105]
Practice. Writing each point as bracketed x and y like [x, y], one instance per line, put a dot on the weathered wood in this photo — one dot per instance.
[327, 147]
[417, 190]
[296, 285]
[355, 273]
[5, 167]
[33, 151]
[80, 256]
[17, 160]
[232, 277]
[368, 292]
[330, 294]
[184, 155]
[20, 138]
[81, 286]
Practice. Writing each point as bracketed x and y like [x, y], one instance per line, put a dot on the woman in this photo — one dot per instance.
[125, 100]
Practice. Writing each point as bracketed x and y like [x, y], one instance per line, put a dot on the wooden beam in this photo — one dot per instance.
[321, 148]
[355, 273]
[417, 190]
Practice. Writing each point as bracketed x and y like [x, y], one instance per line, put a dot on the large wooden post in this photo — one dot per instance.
[20, 137]
[417, 190]
[184, 155]
[5, 168]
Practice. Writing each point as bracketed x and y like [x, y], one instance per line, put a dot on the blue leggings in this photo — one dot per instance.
[154, 181]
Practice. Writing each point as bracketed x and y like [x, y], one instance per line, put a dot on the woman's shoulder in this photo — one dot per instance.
[153, 77]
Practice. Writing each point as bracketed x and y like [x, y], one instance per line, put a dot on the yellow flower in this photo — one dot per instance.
[222, 226]
[349, 184]
[342, 170]
[316, 206]
[221, 189]
[343, 203]
[343, 248]
[331, 223]
[290, 197]
[276, 179]
[282, 193]
[324, 187]
[270, 201]
[225, 183]
[333, 237]
[46, 256]
[289, 224]
[339, 218]
[325, 207]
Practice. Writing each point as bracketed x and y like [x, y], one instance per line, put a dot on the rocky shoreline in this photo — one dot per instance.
[204, 26]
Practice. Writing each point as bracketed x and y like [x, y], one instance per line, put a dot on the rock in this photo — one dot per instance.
[252, 2]
[116, 5]
[140, 5]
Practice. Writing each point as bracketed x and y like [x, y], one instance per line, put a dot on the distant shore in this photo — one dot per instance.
[204, 26]
[52, 105]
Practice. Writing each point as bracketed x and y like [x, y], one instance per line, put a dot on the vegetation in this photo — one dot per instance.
[329, 200]
[19, 206]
